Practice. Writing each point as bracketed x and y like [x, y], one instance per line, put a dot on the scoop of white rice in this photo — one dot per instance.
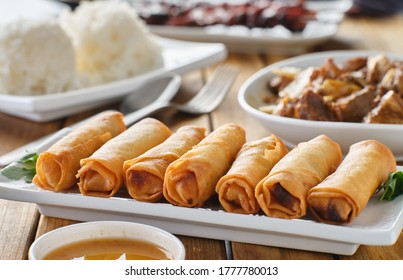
[111, 41]
[36, 58]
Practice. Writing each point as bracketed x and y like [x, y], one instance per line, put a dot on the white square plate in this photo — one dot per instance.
[179, 57]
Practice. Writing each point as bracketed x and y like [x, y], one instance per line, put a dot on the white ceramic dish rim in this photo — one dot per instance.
[217, 224]
[252, 42]
[106, 229]
[325, 31]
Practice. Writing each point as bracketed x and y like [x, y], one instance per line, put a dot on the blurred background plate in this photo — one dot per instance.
[340, 6]
[241, 39]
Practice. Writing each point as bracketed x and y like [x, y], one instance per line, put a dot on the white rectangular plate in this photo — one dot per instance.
[380, 223]
[179, 57]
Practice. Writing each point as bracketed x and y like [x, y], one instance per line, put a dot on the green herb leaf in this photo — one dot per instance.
[25, 168]
[393, 186]
[29, 158]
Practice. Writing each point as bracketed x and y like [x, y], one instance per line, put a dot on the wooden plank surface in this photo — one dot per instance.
[18, 220]
[18, 225]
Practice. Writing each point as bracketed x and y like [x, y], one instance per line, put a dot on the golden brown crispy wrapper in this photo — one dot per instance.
[57, 167]
[101, 174]
[344, 194]
[144, 175]
[236, 190]
[191, 180]
[282, 193]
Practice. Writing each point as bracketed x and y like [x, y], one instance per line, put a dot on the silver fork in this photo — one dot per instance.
[205, 101]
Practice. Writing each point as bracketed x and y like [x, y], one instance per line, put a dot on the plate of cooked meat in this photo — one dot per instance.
[244, 26]
[347, 95]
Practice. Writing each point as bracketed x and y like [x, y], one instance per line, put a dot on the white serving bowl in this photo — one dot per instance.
[106, 229]
[294, 131]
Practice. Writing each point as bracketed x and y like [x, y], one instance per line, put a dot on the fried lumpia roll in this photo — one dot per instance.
[101, 174]
[344, 194]
[236, 190]
[57, 167]
[190, 180]
[282, 193]
[144, 175]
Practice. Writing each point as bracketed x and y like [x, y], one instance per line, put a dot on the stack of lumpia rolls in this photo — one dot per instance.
[236, 189]
[344, 194]
[190, 180]
[101, 174]
[282, 193]
[144, 175]
[57, 167]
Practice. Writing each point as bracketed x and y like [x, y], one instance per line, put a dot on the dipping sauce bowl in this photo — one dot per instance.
[107, 240]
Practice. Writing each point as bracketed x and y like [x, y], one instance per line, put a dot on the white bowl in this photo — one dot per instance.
[294, 131]
[106, 229]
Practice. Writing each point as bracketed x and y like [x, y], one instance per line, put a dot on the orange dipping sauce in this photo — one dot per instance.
[109, 249]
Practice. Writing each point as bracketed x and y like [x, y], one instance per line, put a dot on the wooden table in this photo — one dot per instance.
[21, 223]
